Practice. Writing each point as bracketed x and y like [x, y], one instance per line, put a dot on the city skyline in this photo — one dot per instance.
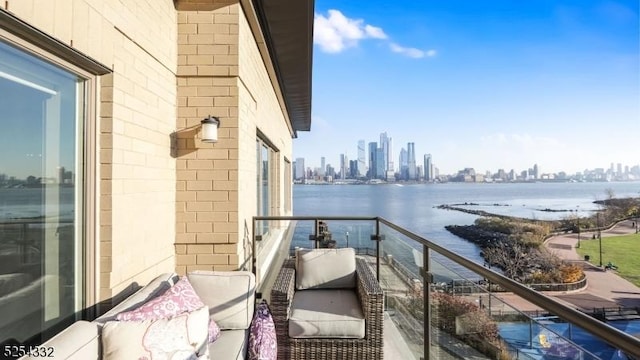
[614, 168]
[395, 157]
[492, 85]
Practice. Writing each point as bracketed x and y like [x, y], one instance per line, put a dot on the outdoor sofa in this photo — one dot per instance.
[229, 296]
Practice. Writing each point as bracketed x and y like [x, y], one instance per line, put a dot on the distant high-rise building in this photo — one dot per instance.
[373, 148]
[362, 159]
[323, 166]
[331, 173]
[390, 163]
[428, 168]
[380, 172]
[404, 164]
[384, 145]
[353, 168]
[344, 166]
[411, 160]
[298, 169]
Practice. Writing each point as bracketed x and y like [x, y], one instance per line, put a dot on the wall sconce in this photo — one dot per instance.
[210, 127]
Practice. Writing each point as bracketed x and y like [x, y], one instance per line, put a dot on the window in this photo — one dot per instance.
[41, 195]
[288, 179]
[266, 181]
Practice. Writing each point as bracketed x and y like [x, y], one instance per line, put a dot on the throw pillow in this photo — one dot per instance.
[182, 337]
[262, 335]
[178, 299]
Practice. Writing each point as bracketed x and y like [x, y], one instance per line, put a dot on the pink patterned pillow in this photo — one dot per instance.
[262, 335]
[178, 299]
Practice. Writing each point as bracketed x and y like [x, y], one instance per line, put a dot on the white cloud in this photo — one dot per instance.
[335, 32]
[411, 52]
[375, 32]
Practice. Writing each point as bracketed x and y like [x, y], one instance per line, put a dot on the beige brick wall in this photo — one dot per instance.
[136, 115]
[216, 189]
[259, 110]
[207, 192]
[167, 201]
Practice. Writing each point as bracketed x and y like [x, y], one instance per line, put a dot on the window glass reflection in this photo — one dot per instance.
[40, 189]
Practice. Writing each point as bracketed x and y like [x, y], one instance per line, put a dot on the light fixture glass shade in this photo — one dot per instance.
[210, 127]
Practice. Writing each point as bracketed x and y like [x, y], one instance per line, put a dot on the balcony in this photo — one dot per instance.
[472, 311]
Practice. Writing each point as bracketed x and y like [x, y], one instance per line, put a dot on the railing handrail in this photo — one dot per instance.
[618, 339]
[371, 218]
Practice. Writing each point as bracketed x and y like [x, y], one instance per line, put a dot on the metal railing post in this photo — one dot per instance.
[378, 250]
[253, 247]
[426, 292]
[315, 233]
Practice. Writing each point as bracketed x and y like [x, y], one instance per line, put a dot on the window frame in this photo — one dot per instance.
[28, 42]
[273, 184]
[288, 186]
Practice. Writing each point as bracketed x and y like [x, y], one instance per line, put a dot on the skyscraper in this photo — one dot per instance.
[323, 166]
[411, 160]
[362, 159]
[373, 147]
[390, 156]
[384, 145]
[404, 164]
[428, 169]
[344, 166]
[380, 172]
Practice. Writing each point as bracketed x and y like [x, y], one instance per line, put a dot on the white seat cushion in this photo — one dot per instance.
[231, 345]
[325, 269]
[334, 313]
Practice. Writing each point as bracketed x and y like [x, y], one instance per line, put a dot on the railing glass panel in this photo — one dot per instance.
[402, 283]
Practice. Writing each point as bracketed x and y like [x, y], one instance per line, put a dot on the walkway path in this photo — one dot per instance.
[604, 288]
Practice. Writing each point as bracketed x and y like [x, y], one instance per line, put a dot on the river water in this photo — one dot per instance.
[414, 206]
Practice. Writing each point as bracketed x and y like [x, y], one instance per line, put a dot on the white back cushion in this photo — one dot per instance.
[230, 296]
[325, 268]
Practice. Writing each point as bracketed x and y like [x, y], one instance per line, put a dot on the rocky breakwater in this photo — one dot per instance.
[514, 245]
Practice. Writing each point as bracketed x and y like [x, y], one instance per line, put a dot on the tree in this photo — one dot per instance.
[513, 260]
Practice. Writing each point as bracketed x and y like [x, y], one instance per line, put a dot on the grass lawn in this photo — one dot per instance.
[623, 251]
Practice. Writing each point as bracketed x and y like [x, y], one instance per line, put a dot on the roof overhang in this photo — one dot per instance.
[288, 30]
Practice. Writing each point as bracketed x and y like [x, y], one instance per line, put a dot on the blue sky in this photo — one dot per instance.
[483, 84]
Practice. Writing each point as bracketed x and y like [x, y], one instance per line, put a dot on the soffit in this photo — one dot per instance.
[288, 31]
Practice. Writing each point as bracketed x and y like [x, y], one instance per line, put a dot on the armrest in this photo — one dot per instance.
[371, 299]
[280, 305]
[282, 292]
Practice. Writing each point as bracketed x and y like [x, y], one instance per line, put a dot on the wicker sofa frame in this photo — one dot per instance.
[371, 300]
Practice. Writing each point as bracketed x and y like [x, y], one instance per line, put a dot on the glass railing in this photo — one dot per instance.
[473, 311]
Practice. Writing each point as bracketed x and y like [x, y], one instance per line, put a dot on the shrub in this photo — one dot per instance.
[571, 273]
[449, 308]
